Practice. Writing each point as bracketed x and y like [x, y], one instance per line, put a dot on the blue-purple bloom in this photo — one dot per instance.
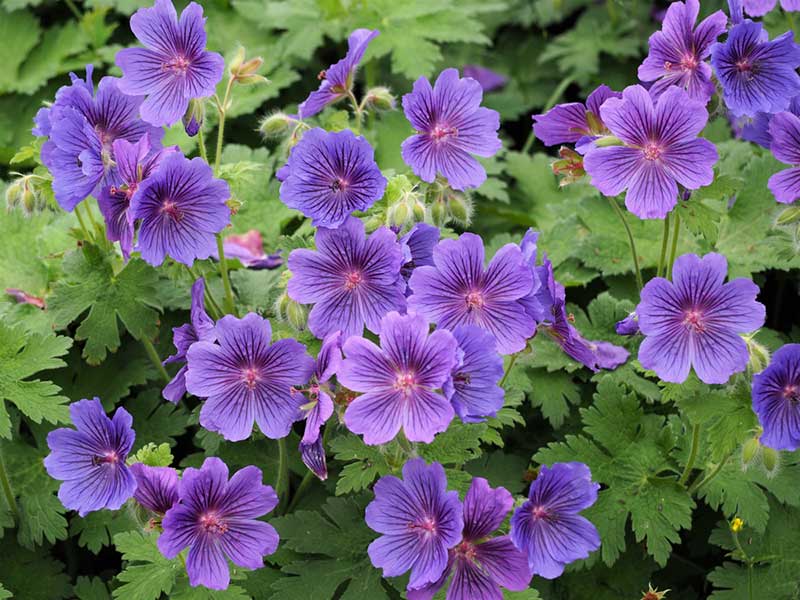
[758, 8]
[82, 128]
[329, 175]
[337, 80]
[247, 380]
[399, 380]
[199, 327]
[548, 526]
[574, 122]
[785, 131]
[756, 129]
[776, 399]
[661, 150]
[173, 67]
[459, 290]
[695, 321]
[452, 126]
[248, 249]
[181, 207]
[628, 326]
[489, 80]
[473, 384]
[135, 163]
[418, 245]
[481, 565]
[678, 52]
[91, 460]
[757, 75]
[351, 279]
[419, 521]
[156, 487]
[218, 520]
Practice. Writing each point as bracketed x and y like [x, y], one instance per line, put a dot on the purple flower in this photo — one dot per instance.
[419, 521]
[245, 380]
[785, 131]
[758, 8]
[756, 129]
[352, 280]
[481, 565]
[218, 519]
[248, 249]
[23, 297]
[91, 460]
[399, 380]
[776, 399]
[181, 206]
[661, 150]
[199, 327]
[319, 407]
[695, 321]
[458, 290]
[548, 528]
[489, 80]
[156, 487]
[473, 384]
[337, 80]
[628, 326]
[757, 75]
[418, 245]
[82, 128]
[452, 126]
[533, 301]
[574, 122]
[173, 67]
[329, 175]
[135, 163]
[678, 52]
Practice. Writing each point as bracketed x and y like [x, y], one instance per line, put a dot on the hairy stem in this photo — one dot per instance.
[5, 483]
[309, 477]
[698, 484]
[73, 9]
[230, 307]
[676, 230]
[201, 145]
[358, 110]
[664, 243]
[631, 242]
[154, 358]
[84, 229]
[692, 456]
[508, 369]
[282, 480]
[222, 109]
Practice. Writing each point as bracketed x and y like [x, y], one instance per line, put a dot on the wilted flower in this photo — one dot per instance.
[776, 399]
[248, 249]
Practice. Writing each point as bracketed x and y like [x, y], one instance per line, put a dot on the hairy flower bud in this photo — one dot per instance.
[296, 315]
[244, 71]
[24, 193]
[751, 452]
[275, 125]
[439, 213]
[380, 98]
[770, 461]
[788, 216]
[759, 355]
[460, 208]
[194, 117]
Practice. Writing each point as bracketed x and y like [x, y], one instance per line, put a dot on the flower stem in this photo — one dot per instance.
[85, 229]
[222, 109]
[153, 355]
[230, 307]
[631, 241]
[664, 244]
[309, 476]
[358, 109]
[201, 145]
[508, 369]
[73, 9]
[282, 480]
[698, 484]
[676, 230]
[687, 470]
[558, 92]
[216, 311]
[6, 485]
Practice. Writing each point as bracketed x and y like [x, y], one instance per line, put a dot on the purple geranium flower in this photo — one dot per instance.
[329, 175]
[533, 301]
[174, 67]
[156, 487]
[678, 52]
[481, 565]
[628, 326]
[489, 80]
[82, 128]
[337, 80]
[181, 206]
[248, 249]
[399, 380]
[352, 280]
[452, 126]
[218, 519]
[758, 8]
[785, 131]
[548, 526]
[776, 399]
[135, 163]
[245, 380]
[91, 460]
[418, 245]
[695, 321]
[458, 290]
[661, 150]
[757, 75]
[419, 521]
[319, 407]
[473, 384]
[574, 122]
[199, 327]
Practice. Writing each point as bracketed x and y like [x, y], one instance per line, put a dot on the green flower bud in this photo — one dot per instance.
[788, 216]
[439, 213]
[194, 117]
[14, 193]
[771, 461]
[419, 210]
[759, 355]
[380, 98]
[751, 452]
[296, 315]
[275, 125]
[397, 214]
[460, 207]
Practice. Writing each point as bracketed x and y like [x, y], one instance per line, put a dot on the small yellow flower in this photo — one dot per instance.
[653, 593]
[736, 525]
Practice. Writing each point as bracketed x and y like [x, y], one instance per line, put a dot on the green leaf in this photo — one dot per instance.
[41, 517]
[553, 393]
[370, 463]
[157, 421]
[153, 456]
[90, 283]
[4, 593]
[145, 581]
[460, 443]
[91, 588]
[32, 575]
[20, 33]
[96, 530]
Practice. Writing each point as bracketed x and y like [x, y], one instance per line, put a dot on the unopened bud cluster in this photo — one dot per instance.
[25, 193]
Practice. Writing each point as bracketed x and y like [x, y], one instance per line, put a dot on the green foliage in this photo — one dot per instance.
[147, 573]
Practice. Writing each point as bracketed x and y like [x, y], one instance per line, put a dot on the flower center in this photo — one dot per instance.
[426, 526]
[251, 377]
[465, 550]
[212, 523]
[693, 319]
[539, 513]
[652, 151]
[462, 378]
[405, 381]
[179, 65]
[745, 67]
[441, 132]
[110, 457]
[792, 392]
[352, 280]
[170, 208]
[474, 300]
[689, 62]
[339, 185]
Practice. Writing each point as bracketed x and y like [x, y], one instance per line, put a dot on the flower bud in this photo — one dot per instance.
[281, 305]
[737, 525]
[628, 326]
[23, 193]
[380, 98]
[14, 194]
[789, 215]
[244, 71]
[439, 213]
[751, 452]
[771, 461]
[460, 207]
[607, 140]
[194, 117]
[397, 214]
[238, 59]
[296, 315]
[419, 210]
[275, 125]
[759, 355]
[569, 167]
[313, 456]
